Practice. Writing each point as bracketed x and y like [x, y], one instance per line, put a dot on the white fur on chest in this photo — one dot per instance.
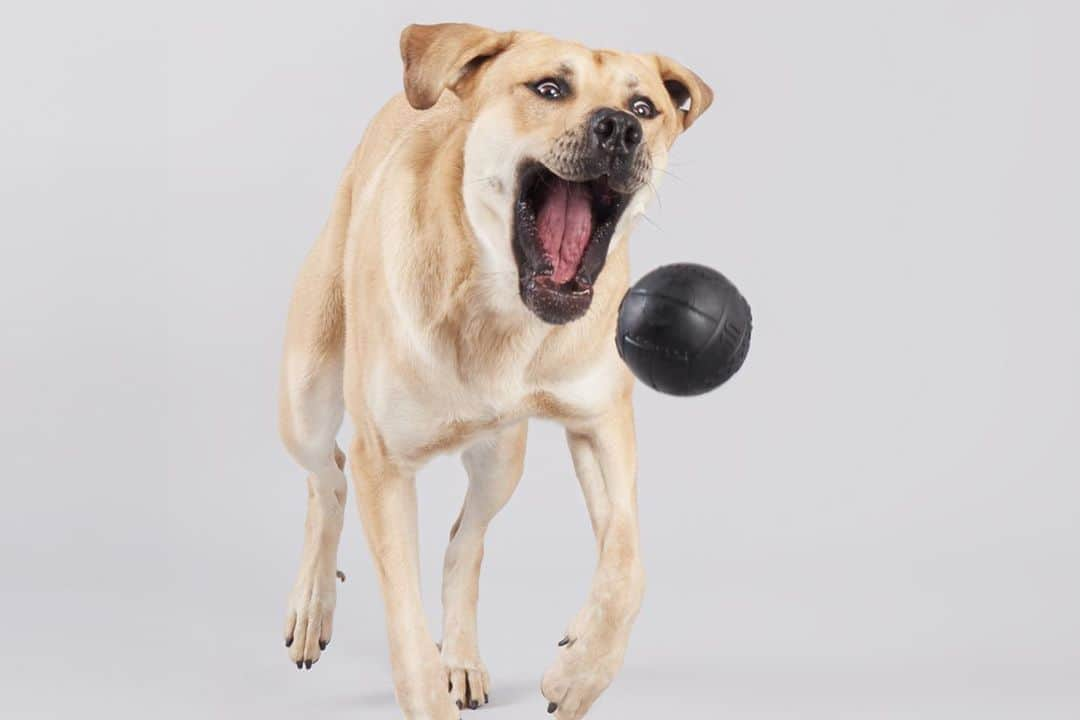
[433, 411]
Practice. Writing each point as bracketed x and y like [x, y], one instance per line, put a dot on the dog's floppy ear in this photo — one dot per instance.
[441, 57]
[688, 92]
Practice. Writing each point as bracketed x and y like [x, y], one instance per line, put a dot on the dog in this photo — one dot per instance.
[468, 279]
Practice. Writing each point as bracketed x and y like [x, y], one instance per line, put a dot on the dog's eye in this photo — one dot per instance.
[549, 89]
[643, 107]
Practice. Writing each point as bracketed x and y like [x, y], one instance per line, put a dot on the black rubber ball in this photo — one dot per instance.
[683, 329]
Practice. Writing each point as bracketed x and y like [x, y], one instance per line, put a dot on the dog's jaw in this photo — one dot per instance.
[561, 235]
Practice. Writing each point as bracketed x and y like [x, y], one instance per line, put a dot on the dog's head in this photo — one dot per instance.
[563, 150]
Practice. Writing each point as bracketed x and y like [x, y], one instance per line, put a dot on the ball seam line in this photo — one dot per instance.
[677, 301]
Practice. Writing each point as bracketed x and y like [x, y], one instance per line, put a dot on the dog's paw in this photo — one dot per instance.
[582, 671]
[309, 621]
[422, 692]
[468, 681]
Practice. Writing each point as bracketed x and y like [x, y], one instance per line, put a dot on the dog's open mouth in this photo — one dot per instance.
[562, 230]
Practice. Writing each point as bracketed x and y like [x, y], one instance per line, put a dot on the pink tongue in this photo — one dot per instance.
[565, 225]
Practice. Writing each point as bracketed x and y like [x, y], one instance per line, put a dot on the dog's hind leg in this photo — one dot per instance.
[310, 420]
[311, 411]
[494, 465]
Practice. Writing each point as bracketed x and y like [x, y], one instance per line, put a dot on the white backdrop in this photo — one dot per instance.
[876, 518]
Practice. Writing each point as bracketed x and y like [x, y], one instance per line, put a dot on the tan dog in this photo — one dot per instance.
[468, 279]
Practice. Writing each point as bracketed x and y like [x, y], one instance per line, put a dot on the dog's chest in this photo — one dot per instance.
[422, 417]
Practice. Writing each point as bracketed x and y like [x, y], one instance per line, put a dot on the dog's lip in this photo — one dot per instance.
[577, 285]
[530, 167]
[538, 165]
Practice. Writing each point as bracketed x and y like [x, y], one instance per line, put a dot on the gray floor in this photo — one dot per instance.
[101, 655]
[731, 628]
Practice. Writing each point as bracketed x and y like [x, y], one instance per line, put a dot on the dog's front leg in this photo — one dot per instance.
[592, 652]
[494, 464]
[386, 495]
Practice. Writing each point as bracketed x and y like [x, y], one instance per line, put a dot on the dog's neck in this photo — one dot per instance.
[447, 262]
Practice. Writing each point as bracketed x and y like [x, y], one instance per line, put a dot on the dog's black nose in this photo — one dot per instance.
[617, 132]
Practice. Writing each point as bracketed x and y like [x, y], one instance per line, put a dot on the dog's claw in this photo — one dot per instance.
[299, 664]
[323, 644]
[460, 705]
[340, 576]
[473, 704]
[552, 707]
[307, 664]
[486, 701]
[565, 641]
[288, 641]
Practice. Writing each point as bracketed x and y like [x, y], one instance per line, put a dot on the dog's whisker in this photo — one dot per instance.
[656, 194]
[668, 173]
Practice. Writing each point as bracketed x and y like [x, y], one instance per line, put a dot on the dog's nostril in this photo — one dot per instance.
[632, 136]
[605, 128]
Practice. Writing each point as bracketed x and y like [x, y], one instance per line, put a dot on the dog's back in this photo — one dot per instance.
[317, 310]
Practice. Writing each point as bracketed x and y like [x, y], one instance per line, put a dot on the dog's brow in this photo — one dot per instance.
[566, 69]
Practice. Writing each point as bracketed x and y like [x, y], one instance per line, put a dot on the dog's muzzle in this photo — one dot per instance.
[567, 207]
